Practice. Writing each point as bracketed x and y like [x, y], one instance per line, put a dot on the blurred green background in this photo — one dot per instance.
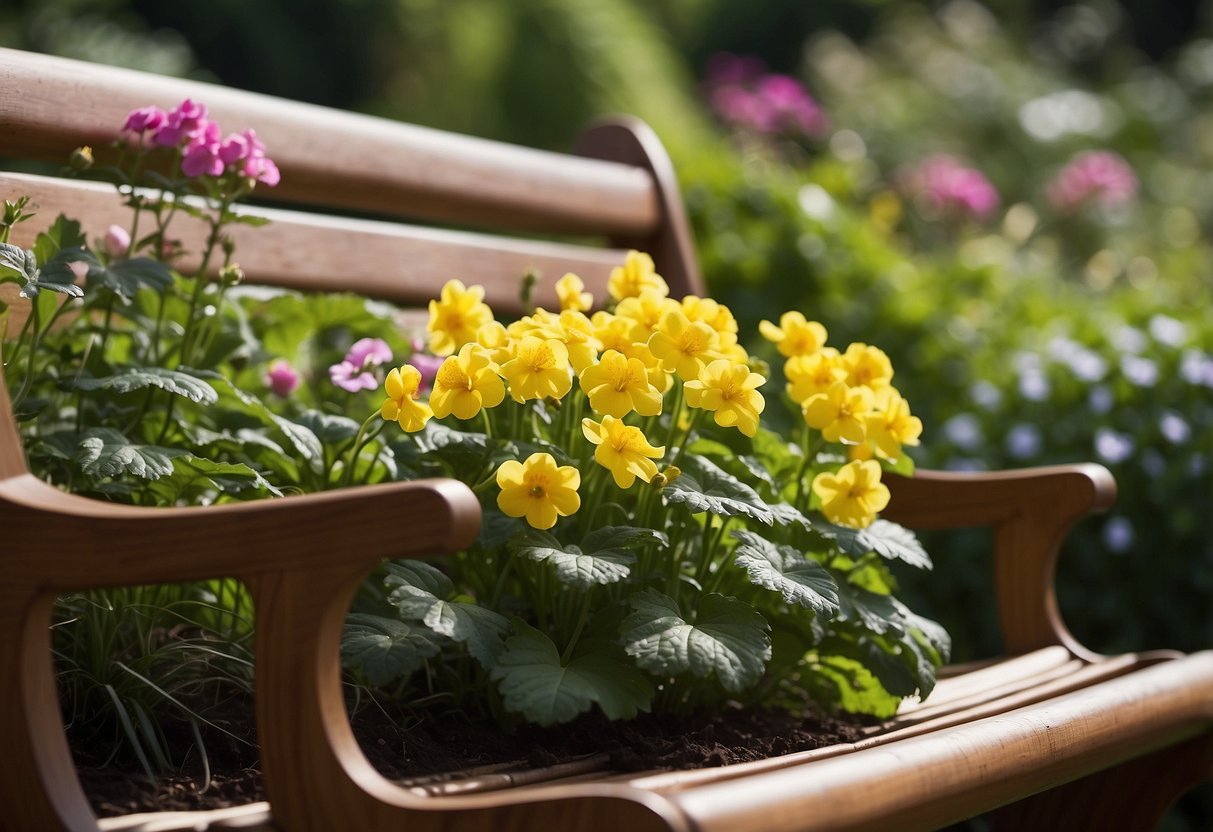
[1044, 324]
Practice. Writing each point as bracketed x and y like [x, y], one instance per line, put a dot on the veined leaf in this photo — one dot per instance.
[422, 593]
[385, 649]
[329, 428]
[229, 477]
[107, 453]
[140, 378]
[787, 515]
[534, 682]
[19, 262]
[126, 277]
[870, 610]
[783, 569]
[573, 565]
[63, 233]
[728, 639]
[703, 486]
[889, 540]
[931, 631]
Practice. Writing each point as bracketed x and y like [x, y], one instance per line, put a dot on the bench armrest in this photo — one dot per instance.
[1031, 511]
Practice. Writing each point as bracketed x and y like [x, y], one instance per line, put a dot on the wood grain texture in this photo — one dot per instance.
[50, 105]
[1031, 512]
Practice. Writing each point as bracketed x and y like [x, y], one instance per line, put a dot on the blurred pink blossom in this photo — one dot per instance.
[202, 153]
[182, 123]
[950, 188]
[144, 119]
[282, 379]
[745, 96]
[116, 241]
[426, 363]
[353, 373]
[1098, 177]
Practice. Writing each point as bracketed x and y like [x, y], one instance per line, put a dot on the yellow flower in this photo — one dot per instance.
[683, 346]
[612, 331]
[574, 329]
[401, 405]
[854, 496]
[645, 312]
[716, 315]
[892, 426]
[456, 316]
[840, 413]
[622, 449]
[571, 291]
[811, 374]
[867, 367]
[465, 383]
[617, 385]
[635, 275]
[539, 369]
[794, 335]
[729, 390]
[538, 490]
[493, 337]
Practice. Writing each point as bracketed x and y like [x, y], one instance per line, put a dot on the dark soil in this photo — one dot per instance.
[430, 748]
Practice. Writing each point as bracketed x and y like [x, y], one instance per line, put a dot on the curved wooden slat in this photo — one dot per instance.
[50, 105]
[1031, 512]
[304, 251]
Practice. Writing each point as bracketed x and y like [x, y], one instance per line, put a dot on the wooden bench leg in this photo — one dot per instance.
[1131, 797]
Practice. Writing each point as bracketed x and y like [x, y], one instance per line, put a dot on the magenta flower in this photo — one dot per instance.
[426, 363]
[234, 148]
[202, 153]
[1094, 177]
[354, 372]
[144, 119]
[950, 189]
[117, 241]
[182, 123]
[746, 97]
[262, 169]
[282, 379]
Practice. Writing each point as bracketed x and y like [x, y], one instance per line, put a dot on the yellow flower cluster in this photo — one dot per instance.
[625, 361]
[850, 398]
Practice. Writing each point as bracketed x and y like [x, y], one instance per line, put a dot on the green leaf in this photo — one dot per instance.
[788, 515]
[534, 682]
[229, 477]
[126, 277]
[140, 378]
[851, 686]
[870, 610]
[385, 649]
[889, 540]
[63, 233]
[930, 631]
[422, 593]
[107, 453]
[574, 566]
[705, 487]
[18, 261]
[783, 569]
[728, 639]
[328, 428]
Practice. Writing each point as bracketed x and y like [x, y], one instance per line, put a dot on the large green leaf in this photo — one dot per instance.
[602, 557]
[889, 540]
[107, 453]
[704, 486]
[126, 277]
[870, 610]
[328, 427]
[783, 569]
[18, 262]
[535, 683]
[229, 477]
[728, 639]
[421, 593]
[140, 378]
[63, 233]
[385, 649]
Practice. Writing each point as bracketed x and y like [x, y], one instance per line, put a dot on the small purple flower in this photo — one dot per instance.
[963, 431]
[1166, 330]
[353, 373]
[1100, 399]
[1174, 429]
[202, 153]
[1034, 385]
[1094, 177]
[184, 122]
[745, 96]
[1141, 372]
[1113, 447]
[1024, 441]
[986, 395]
[1118, 534]
[426, 363]
[1129, 339]
[1196, 368]
[949, 188]
[117, 241]
[144, 119]
[282, 379]
[262, 169]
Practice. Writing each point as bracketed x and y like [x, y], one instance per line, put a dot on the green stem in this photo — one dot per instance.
[360, 442]
[807, 446]
[33, 352]
[582, 618]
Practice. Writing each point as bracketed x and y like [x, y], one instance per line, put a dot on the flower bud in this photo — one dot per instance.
[231, 274]
[81, 158]
[116, 241]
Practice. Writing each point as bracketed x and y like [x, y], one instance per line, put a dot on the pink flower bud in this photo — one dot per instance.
[282, 379]
[117, 241]
[144, 119]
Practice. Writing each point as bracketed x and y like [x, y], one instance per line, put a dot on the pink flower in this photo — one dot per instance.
[144, 119]
[117, 241]
[425, 362]
[745, 96]
[182, 123]
[234, 148]
[202, 153]
[353, 373]
[1094, 177]
[950, 189]
[263, 169]
[282, 379]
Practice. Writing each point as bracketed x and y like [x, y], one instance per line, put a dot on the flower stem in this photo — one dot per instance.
[360, 442]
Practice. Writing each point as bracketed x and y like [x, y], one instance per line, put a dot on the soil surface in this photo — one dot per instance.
[433, 749]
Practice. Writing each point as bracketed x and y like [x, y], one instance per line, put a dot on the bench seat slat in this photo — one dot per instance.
[49, 106]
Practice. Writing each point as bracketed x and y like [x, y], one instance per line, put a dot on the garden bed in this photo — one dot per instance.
[437, 750]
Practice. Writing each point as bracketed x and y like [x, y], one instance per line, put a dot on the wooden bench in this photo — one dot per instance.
[1100, 742]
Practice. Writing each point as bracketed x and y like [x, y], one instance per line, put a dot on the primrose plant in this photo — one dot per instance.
[647, 544]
